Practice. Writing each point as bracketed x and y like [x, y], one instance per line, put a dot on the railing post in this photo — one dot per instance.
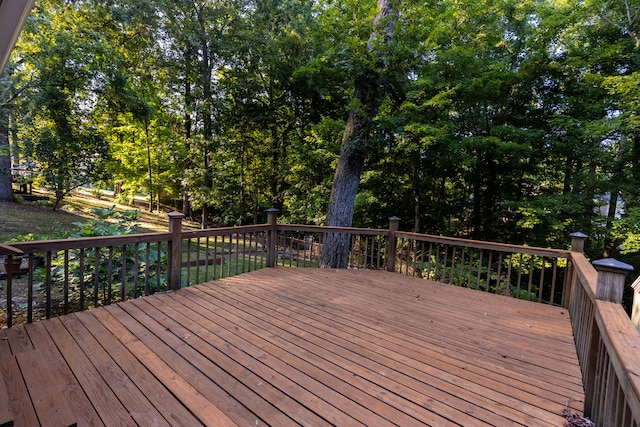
[577, 245]
[577, 241]
[611, 276]
[394, 225]
[175, 250]
[11, 265]
[272, 235]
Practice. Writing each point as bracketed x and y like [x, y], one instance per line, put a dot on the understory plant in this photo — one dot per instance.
[83, 278]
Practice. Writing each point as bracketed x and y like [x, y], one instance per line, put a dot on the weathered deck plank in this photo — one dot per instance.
[19, 401]
[51, 408]
[314, 347]
[346, 383]
[150, 387]
[433, 380]
[63, 376]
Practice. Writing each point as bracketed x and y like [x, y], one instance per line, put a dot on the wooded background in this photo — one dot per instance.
[504, 120]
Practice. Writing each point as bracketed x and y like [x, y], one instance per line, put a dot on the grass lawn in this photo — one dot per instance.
[19, 219]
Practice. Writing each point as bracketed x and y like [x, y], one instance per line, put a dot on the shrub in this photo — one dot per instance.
[94, 275]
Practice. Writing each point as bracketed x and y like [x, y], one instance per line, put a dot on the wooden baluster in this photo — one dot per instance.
[65, 291]
[30, 284]
[123, 285]
[635, 310]
[136, 269]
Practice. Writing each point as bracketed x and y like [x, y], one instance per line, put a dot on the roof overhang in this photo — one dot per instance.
[13, 14]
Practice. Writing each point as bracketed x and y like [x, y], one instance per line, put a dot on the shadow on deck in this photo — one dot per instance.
[287, 346]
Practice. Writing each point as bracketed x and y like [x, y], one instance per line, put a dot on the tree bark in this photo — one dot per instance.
[353, 152]
[6, 192]
[207, 131]
[149, 170]
[188, 100]
[417, 195]
[616, 178]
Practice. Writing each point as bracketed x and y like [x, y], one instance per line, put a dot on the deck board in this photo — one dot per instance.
[289, 346]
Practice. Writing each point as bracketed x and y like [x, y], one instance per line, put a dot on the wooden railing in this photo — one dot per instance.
[48, 278]
[62, 276]
[79, 273]
[607, 343]
[522, 272]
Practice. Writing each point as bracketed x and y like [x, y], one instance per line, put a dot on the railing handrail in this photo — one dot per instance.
[6, 249]
[326, 229]
[478, 244]
[220, 231]
[18, 248]
[606, 341]
[587, 275]
[89, 242]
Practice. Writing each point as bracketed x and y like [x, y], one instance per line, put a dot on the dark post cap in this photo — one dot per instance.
[611, 264]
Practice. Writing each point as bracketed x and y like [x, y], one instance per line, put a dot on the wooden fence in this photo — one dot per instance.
[61, 276]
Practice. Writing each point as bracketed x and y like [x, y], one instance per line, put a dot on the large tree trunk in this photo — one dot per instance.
[344, 190]
[149, 170]
[6, 192]
[207, 131]
[616, 178]
[353, 152]
[188, 100]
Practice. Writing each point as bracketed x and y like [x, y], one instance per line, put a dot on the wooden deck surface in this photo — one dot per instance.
[289, 346]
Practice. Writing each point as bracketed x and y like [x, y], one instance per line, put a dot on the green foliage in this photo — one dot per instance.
[56, 134]
[498, 120]
[627, 231]
[547, 220]
[29, 237]
[95, 275]
[125, 223]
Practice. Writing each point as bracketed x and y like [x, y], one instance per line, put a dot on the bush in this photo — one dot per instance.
[94, 275]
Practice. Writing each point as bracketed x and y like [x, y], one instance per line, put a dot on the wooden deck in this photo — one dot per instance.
[290, 346]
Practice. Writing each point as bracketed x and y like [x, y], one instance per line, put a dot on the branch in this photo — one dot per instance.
[631, 18]
[7, 102]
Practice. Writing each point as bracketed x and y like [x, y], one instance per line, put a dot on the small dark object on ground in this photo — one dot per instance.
[575, 420]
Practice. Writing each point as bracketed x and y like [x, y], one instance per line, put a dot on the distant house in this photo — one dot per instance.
[602, 205]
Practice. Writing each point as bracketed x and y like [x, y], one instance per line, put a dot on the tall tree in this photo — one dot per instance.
[368, 95]
[57, 134]
[6, 190]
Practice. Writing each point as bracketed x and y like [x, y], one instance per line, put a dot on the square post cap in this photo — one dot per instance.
[611, 278]
[612, 264]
